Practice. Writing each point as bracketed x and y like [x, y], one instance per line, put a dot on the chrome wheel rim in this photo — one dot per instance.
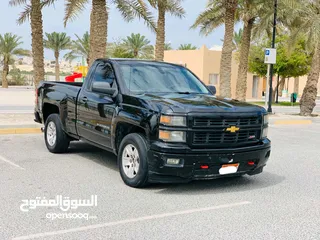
[51, 133]
[130, 161]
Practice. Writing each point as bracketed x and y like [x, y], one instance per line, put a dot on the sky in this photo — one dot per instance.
[177, 30]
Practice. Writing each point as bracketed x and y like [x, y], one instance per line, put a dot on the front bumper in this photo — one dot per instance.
[189, 169]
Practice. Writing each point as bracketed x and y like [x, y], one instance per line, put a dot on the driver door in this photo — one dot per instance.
[96, 109]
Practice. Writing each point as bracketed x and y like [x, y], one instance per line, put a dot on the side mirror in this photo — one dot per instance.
[103, 87]
[212, 89]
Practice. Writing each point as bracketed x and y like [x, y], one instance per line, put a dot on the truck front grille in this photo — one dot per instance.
[217, 122]
[213, 132]
[225, 137]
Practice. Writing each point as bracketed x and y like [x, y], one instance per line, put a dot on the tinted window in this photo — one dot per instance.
[103, 73]
[141, 77]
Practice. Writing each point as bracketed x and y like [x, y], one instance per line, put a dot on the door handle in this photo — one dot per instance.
[85, 99]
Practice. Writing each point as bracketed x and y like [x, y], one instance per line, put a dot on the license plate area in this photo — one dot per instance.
[229, 169]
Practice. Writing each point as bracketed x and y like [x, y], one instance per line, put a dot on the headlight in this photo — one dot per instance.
[265, 119]
[173, 121]
[172, 136]
[264, 133]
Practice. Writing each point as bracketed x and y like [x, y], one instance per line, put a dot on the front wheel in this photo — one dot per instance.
[55, 138]
[133, 161]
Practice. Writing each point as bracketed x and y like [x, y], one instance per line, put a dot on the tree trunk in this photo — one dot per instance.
[5, 72]
[308, 98]
[135, 53]
[274, 92]
[241, 89]
[57, 67]
[98, 30]
[296, 85]
[226, 57]
[160, 39]
[37, 42]
[281, 85]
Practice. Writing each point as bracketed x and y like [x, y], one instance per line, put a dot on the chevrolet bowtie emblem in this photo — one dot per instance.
[232, 129]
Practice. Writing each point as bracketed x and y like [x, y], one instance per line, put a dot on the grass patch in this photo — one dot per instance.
[285, 104]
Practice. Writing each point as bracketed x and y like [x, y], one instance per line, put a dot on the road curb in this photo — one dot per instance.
[292, 122]
[5, 131]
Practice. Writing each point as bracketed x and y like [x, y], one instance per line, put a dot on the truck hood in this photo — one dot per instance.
[187, 103]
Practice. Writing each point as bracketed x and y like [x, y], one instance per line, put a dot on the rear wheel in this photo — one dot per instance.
[133, 161]
[56, 139]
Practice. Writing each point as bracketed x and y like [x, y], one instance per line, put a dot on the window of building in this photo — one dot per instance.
[214, 79]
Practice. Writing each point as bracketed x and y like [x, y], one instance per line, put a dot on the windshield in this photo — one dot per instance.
[153, 77]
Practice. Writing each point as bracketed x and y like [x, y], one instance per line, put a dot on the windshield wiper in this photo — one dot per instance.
[183, 92]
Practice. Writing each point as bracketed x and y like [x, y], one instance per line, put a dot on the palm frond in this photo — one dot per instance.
[175, 9]
[21, 52]
[72, 9]
[210, 19]
[17, 2]
[25, 15]
[131, 9]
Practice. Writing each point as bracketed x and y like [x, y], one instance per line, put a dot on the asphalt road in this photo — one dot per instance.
[281, 203]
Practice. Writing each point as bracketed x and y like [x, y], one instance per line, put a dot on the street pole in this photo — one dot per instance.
[267, 86]
[273, 46]
[277, 99]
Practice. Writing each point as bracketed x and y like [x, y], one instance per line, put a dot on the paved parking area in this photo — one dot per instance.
[281, 203]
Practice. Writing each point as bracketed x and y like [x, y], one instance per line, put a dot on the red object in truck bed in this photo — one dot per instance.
[73, 77]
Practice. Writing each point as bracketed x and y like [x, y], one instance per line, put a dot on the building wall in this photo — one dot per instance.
[192, 59]
[204, 62]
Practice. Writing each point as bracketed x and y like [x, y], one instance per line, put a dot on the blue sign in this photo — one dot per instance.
[267, 52]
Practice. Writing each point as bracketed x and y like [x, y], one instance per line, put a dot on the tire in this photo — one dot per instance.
[57, 141]
[138, 144]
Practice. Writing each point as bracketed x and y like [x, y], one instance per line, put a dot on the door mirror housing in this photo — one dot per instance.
[212, 89]
[103, 87]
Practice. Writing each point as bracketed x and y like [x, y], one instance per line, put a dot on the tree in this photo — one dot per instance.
[79, 48]
[32, 11]
[9, 46]
[138, 46]
[57, 42]
[164, 6]
[187, 47]
[237, 36]
[292, 60]
[217, 13]
[258, 15]
[172, 7]
[248, 11]
[167, 46]
[99, 20]
[307, 24]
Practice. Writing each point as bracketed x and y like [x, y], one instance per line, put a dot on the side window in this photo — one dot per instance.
[214, 79]
[103, 73]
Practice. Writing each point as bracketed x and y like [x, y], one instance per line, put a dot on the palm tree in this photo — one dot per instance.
[167, 46]
[187, 47]
[9, 44]
[99, 20]
[217, 13]
[32, 11]
[237, 36]
[57, 42]
[138, 46]
[164, 6]
[248, 11]
[172, 7]
[79, 48]
[307, 23]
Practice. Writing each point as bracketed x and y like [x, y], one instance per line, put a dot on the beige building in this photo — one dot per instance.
[205, 64]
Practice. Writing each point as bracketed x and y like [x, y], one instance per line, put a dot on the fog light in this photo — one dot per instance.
[173, 161]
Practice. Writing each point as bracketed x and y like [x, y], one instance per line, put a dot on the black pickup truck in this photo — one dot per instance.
[160, 120]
